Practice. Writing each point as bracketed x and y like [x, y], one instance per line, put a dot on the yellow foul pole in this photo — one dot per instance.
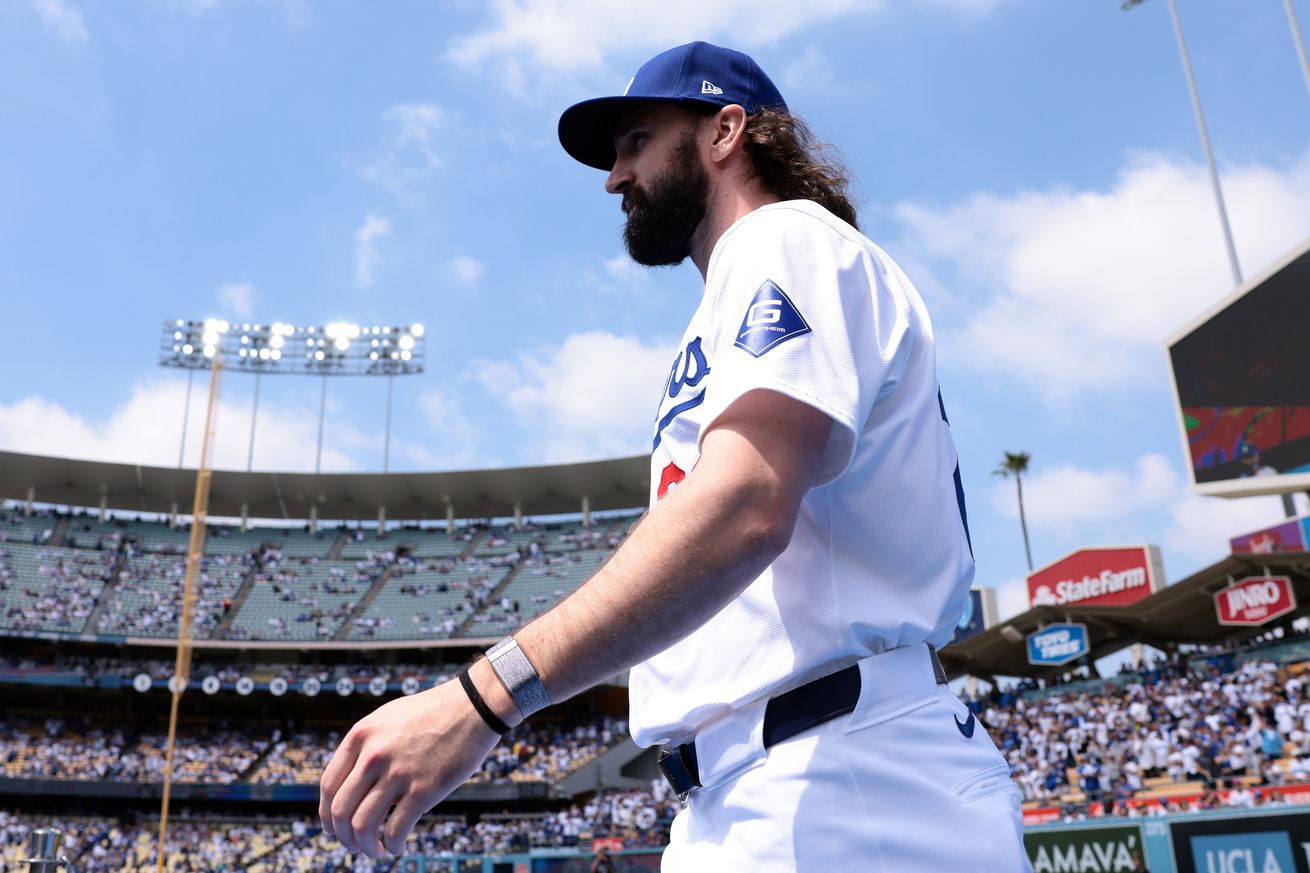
[195, 554]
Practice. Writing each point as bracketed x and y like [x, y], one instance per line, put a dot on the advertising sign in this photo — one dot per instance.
[979, 614]
[1057, 644]
[1286, 537]
[1264, 844]
[1087, 850]
[1100, 576]
[1255, 600]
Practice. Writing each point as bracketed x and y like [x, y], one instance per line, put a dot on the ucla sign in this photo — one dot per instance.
[1057, 644]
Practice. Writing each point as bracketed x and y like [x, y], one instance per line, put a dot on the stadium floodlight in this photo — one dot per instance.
[1233, 264]
[336, 349]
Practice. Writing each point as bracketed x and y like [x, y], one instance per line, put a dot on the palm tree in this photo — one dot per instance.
[1017, 463]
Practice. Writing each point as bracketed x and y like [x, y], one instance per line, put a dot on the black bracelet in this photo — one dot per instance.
[492, 720]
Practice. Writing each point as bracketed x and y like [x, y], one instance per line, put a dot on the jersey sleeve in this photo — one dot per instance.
[804, 309]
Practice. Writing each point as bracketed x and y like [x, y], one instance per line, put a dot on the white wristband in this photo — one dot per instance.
[519, 676]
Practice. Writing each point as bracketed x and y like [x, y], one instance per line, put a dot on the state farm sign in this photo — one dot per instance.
[1255, 600]
[1107, 576]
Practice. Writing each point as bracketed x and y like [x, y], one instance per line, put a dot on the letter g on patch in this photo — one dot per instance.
[770, 320]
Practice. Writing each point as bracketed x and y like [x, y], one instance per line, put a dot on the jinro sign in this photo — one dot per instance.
[1117, 576]
[1057, 644]
[1255, 600]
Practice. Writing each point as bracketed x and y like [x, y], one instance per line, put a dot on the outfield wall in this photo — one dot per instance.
[1270, 840]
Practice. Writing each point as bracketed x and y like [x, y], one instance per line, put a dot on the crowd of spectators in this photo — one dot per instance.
[90, 670]
[149, 592]
[549, 752]
[640, 818]
[148, 559]
[58, 748]
[1173, 731]
[57, 592]
[443, 593]
[299, 594]
[80, 750]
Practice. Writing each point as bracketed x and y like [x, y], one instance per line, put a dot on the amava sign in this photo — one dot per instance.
[1086, 850]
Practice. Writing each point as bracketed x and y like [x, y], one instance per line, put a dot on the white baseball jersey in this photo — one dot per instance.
[799, 302]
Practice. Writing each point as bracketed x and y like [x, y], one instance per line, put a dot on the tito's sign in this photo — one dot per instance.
[1105, 576]
[1255, 600]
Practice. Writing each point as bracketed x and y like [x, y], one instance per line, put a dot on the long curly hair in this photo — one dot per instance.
[791, 163]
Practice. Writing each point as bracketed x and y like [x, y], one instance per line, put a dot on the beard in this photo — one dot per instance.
[663, 218]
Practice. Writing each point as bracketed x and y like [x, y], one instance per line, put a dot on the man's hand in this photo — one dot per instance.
[411, 752]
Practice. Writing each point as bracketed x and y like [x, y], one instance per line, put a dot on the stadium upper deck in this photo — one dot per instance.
[75, 575]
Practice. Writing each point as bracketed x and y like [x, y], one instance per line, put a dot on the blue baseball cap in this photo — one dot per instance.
[695, 73]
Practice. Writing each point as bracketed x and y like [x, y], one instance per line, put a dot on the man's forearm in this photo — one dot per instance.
[693, 553]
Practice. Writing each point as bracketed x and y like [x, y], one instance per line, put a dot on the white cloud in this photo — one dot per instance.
[1086, 285]
[147, 429]
[62, 19]
[238, 298]
[456, 442]
[467, 270]
[560, 36]
[1011, 598]
[527, 37]
[366, 250]
[621, 274]
[1196, 529]
[1200, 527]
[1063, 497]
[811, 69]
[592, 396]
[408, 154]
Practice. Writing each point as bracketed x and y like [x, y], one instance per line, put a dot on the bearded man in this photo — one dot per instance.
[806, 549]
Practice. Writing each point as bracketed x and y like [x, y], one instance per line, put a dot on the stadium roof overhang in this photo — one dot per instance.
[559, 489]
[1183, 613]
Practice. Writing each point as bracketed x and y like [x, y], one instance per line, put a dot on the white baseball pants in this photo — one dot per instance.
[895, 787]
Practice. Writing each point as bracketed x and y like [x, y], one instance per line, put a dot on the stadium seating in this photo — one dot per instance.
[302, 600]
[537, 586]
[148, 595]
[43, 588]
[17, 527]
[428, 599]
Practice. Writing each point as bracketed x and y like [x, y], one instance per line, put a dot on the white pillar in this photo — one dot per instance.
[313, 519]
[586, 511]
[172, 515]
[382, 521]
[1138, 656]
[104, 506]
[245, 517]
[971, 687]
[518, 515]
[31, 498]
[450, 518]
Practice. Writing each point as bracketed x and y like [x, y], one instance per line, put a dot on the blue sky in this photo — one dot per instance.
[1033, 165]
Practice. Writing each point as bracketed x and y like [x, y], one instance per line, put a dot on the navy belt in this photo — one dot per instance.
[785, 716]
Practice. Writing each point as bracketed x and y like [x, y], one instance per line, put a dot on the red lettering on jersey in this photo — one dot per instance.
[669, 476]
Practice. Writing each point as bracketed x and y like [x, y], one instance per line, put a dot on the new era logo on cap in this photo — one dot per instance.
[679, 75]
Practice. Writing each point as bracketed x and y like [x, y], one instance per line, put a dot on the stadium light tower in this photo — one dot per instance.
[337, 349]
[1127, 5]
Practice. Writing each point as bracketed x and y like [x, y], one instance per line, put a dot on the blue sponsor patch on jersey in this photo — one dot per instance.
[771, 319]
